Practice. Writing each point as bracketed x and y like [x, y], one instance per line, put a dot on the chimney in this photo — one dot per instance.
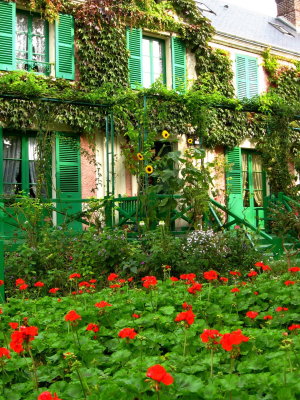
[289, 9]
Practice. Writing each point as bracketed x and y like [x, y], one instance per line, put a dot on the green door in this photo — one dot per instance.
[254, 187]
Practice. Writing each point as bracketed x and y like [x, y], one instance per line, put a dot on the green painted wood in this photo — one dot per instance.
[246, 76]
[7, 36]
[134, 39]
[68, 178]
[64, 57]
[178, 64]
[234, 188]
[2, 293]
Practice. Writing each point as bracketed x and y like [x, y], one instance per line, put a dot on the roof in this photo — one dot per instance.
[236, 21]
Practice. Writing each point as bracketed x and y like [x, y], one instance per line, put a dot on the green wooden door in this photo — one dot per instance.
[254, 187]
[68, 179]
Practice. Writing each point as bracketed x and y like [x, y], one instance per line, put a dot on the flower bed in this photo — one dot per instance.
[208, 337]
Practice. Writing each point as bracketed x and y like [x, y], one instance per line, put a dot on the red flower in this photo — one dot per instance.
[188, 277]
[149, 281]
[158, 373]
[293, 327]
[279, 309]
[84, 284]
[294, 269]
[13, 325]
[235, 338]
[103, 304]
[266, 317]
[211, 275]
[54, 290]
[72, 316]
[210, 335]
[112, 277]
[251, 314]
[196, 287]
[252, 273]
[266, 268]
[1, 282]
[256, 293]
[39, 284]
[187, 306]
[115, 286]
[93, 280]
[136, 316]
[48, 396]
[235, 273]
[187, 316]
[174, 279]
[223, 279]
[259, 264]
[4, 352]
[24, 334]
[288, 283]
[23, 287]
[127, 333]
[75, 275]
[235, 290]
[19, 282]
[92, 327]
[130, 279]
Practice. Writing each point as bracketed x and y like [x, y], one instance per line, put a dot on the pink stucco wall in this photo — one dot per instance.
[88, 169]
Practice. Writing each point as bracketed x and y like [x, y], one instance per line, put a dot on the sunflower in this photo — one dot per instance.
[190, 141]
[140, 156]
[149, 169]
[165, 134]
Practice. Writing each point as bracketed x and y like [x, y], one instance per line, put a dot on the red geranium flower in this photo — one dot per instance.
[266, 268]
[136, 316]
[39, 284]
[130, 279]
[149, 281]
[187, 316]
[1, 282]
[294, 269]
[23, 287]
[266, 317]
[112, 277]
[24, 334]
[210, 335]
[54, 290]
[103, 304]
[289, 283]
[235, 338]
[187, 306]
[223, 279]
[19, 282]
[188, 277]
[259, 264]
[72, 316]
[13, 325]
[211, 275]
[75, 275]
[92, 327]
[84, 284]
[235, 273]
[252, 273]
[196, 287]
[251, 314]
[93, 280]
[127, 333]
[256, 293]
[48, 396]
[279, 309]
[235, 290]
[115, 286]
[174, 279]
[158, 373]
[4, 352]
[293, 327]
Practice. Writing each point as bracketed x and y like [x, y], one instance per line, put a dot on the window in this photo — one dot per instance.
[153, 61]
[19, 164]
[147, 60]
[25, 44]
[32, 45]
[253, 179]
[246, 76]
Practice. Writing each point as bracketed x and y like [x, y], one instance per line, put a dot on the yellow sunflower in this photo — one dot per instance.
[165, 134]
[149, 169]
[190, 141]
[140, 156]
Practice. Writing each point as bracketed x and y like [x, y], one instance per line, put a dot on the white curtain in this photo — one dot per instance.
[257, 179]
[11, 164]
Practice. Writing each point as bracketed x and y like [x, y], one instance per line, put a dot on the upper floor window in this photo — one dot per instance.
[25, 43]
[32, 44]
[147, 60]
[153, 61]
[246, 77]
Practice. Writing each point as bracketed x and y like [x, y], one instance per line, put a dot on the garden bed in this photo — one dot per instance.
[80, 350]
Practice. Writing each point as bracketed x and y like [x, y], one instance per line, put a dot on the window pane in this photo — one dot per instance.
[12, 178]
[38, 26]
[22, 41]
[146, 47]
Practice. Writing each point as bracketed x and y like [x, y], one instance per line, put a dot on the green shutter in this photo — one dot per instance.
[234, 181]
[64, 58]
[68, 182]
[178, 64]
[7, 36]
[134, 40]
[246, 77]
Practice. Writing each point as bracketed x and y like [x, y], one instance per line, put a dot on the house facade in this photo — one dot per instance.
[80, 164]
